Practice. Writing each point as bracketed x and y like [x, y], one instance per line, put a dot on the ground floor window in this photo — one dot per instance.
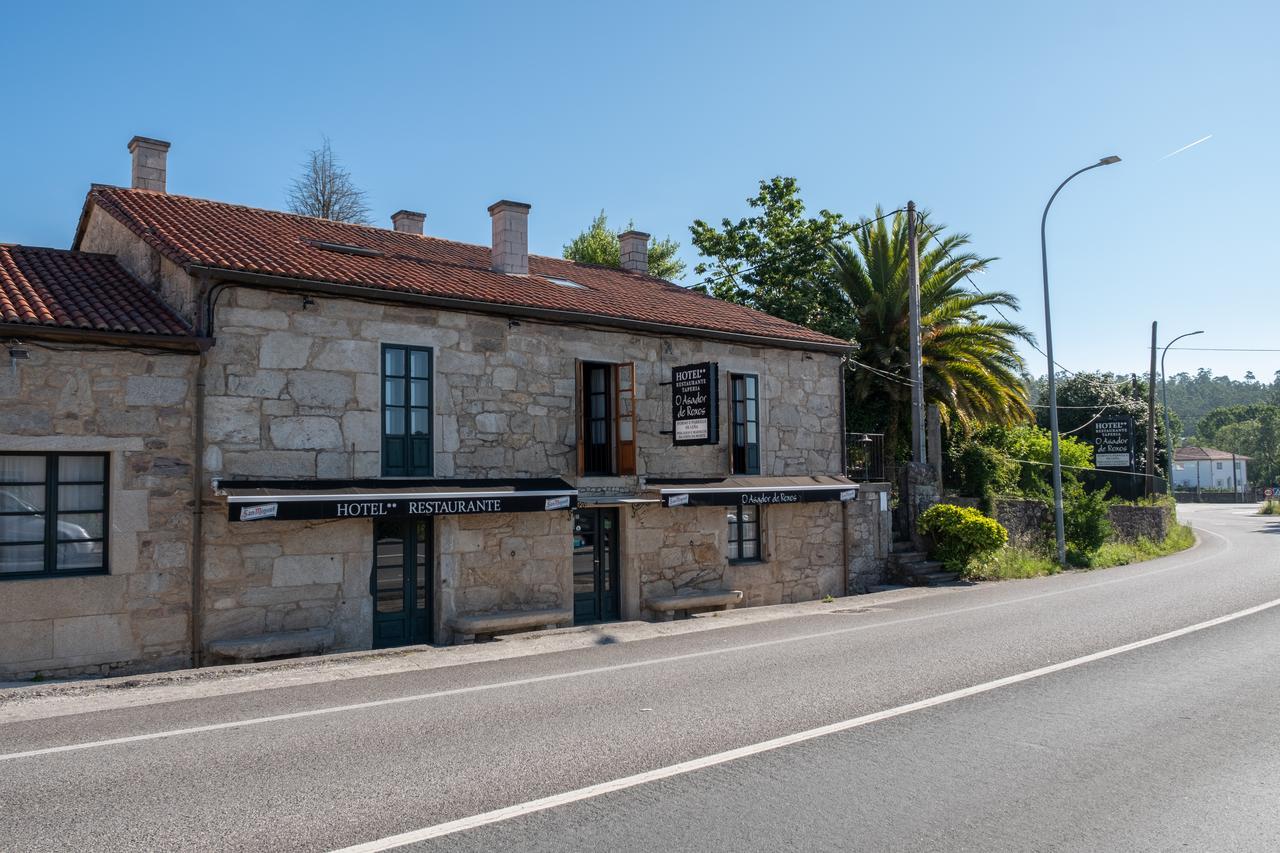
[53, 514]
[744, 533]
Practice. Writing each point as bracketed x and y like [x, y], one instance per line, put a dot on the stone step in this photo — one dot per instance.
[909, 556]
[933, 579]
[920, 567]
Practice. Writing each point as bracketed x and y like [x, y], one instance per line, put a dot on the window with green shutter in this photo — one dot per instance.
[406, 411]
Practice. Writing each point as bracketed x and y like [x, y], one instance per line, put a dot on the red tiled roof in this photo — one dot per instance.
[1191, 453]
[195, 232]
[78, 290]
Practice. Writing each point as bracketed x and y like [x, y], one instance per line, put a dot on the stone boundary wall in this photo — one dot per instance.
[1132, 523]
[1026, 520]
[869, 522]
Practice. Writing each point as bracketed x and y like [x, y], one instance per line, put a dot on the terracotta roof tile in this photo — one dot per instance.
[195, 232]
[78, 290]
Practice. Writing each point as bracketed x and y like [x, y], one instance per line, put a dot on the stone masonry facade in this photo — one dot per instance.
[137, 408]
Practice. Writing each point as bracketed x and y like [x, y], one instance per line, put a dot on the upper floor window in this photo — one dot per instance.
[53, 514]
[606, 419]
[746, 423]
[406, 411]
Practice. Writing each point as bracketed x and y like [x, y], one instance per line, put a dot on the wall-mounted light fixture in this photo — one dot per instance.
[307, 302]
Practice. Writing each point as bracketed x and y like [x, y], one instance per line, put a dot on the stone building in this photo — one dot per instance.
[398, 437]
[96, 481]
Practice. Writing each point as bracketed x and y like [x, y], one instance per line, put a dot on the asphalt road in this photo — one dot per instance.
[1171, 745]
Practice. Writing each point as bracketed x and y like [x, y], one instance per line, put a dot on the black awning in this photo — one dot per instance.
[755, 490]
[259, 500]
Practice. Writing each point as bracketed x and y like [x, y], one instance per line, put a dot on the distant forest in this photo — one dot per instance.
[1192, 396]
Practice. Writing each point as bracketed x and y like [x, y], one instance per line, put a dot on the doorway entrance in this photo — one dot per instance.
[401, 583]
[595, 566]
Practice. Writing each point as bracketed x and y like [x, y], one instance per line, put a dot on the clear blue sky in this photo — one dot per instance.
[663, 113]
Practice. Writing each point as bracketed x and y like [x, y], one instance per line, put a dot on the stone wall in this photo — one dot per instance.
[1131, 523]
[1027, 521]
[869, 523]
[106, 234]
[297, 393]
[266, 577]
[136, 408]
[510, 561]
[685, 548]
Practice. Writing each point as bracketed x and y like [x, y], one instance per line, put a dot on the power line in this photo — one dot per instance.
[1226, 349]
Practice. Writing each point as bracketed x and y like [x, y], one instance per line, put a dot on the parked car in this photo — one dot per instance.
[27, 525]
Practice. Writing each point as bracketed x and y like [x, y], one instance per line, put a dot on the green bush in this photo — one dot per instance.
[960, 534]
[1085, 522]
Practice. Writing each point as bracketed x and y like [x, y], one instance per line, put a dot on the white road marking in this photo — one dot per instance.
[539, 679]
[498, 815]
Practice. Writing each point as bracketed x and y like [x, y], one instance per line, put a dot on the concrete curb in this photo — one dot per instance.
[78, 696]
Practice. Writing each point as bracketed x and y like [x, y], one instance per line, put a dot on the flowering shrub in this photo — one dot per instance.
[960, 534]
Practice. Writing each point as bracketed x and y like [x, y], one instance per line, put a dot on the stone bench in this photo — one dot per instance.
[667, 606]
[264, 646]
[467, 628]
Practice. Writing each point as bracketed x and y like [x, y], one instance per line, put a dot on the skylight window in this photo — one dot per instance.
[344, 248]
[564, 282]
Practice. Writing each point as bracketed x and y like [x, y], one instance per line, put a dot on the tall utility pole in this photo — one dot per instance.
[918, 451]
[1151, 417]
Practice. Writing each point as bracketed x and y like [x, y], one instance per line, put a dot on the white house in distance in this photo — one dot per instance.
[1207, 468]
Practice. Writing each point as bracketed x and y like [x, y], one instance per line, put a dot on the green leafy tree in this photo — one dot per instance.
[599, 245]
[776, 261]
[971, 365]
[1252, 431]
[1086, 397]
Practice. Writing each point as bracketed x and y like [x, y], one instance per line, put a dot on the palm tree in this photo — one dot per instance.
[971, 365]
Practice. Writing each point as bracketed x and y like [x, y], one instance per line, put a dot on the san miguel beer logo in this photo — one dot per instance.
[695, 404]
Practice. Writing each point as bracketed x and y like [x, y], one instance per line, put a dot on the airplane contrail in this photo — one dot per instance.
[1185, 147]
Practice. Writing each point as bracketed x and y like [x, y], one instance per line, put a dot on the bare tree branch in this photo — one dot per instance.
[326, 190]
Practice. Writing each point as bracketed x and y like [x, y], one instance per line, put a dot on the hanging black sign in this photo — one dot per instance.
[695, 404]
[1113, 443]
[417, 506]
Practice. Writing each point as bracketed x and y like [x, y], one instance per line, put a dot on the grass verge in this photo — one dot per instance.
[1270, 508]
[1012, 563]
[1180, 538]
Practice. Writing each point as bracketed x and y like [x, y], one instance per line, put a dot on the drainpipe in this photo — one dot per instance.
[204, 327]
[844, 469]
[197, 522]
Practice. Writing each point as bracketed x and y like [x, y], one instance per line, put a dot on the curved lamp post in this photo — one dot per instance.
[1053, 388]
[1164, 401]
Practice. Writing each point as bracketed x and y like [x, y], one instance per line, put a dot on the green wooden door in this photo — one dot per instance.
[401, 583]
[595, 566]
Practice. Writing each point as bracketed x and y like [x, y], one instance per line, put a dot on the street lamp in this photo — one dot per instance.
[1053, 388]
[1164, 401]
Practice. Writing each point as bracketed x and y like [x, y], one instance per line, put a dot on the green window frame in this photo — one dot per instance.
[53, 514]
[407, 434]
[744, 534]
[746, 423]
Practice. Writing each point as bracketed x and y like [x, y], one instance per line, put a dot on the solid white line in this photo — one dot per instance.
[556, 800]
[539, 679]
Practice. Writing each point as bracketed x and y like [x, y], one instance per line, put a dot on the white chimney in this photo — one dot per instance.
[150, 163]
[633, 246]
[408, 221]
[510, 252]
